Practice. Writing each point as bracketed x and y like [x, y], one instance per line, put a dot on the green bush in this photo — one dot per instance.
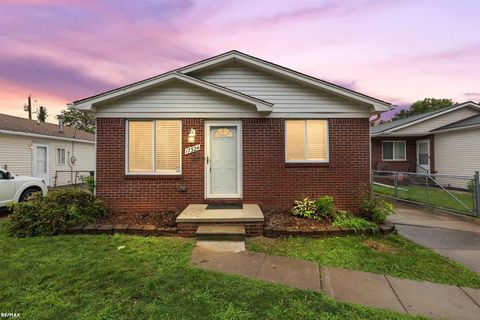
[470, 186]
[319, 209]
[305, 208]
[324, 207]
[90, 183]
[356, 224]
[376, 210]
[59, 209]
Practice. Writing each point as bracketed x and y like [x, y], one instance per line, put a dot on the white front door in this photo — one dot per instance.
[223, 159]
[423, 156]
[40, 167]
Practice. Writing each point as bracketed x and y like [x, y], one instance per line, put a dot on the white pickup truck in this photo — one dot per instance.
[15, 188]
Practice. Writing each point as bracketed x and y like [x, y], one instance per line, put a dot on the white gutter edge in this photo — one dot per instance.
[35, 135]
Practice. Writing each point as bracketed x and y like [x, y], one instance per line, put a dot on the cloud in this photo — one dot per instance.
[40, 74]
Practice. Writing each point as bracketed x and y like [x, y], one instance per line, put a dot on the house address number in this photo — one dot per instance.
[192, 149]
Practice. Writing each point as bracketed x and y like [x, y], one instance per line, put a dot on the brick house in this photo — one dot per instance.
[231, 128]
[445, 141]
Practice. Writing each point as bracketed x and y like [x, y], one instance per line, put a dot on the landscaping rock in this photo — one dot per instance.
[135, 229]
[387, 228]
[120, 228]
[105, 228]
[75, 229]
[90, 229]
[149, 230]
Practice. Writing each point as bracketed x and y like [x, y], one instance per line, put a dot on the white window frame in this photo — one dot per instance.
[153, 173]
[64, 156]
[393, 150]
[327, 151]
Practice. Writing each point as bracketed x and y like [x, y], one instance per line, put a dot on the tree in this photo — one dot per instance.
[42, 114]
[422, 106]
[78, 119]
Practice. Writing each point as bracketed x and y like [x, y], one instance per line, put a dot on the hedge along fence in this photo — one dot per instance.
[54, 213]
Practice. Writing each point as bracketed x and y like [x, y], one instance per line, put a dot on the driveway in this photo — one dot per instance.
[455, 237]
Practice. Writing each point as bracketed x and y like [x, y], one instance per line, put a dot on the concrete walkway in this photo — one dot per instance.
[406, 296]
[452, 236]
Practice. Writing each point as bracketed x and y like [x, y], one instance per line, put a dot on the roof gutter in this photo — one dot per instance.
[36, 135]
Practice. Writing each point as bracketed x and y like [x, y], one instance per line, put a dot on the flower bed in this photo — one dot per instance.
[157, 219]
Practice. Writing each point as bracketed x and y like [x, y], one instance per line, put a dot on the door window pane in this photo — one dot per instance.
[42, 159]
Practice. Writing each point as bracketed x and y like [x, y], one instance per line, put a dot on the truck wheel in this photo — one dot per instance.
[27, 194]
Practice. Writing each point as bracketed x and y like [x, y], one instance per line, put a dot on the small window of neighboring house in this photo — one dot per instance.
[393, 150]
[154, 147]
[306, 140]
[60, 156]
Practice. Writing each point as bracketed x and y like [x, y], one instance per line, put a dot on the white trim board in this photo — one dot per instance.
[230, 115]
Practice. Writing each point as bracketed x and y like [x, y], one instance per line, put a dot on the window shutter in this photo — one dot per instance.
[317, 140]
[140, 149]
[295, 140]
[168, 149]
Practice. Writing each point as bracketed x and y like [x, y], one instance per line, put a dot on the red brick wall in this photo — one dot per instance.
[409, 165]
[267, 179]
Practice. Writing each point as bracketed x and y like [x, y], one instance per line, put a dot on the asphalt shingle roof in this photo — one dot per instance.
[461, 123]
[17, 124]
[393, 124]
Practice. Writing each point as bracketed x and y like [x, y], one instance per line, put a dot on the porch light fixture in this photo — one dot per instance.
[191, 136]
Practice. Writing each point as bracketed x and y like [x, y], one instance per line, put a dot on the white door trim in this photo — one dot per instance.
[34, 159]
[418, 155]
[238, 125]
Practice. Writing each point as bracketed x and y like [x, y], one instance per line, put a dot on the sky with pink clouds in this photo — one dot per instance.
[398, 51]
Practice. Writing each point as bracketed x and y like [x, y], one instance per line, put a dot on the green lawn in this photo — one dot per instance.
[392, 255]
[88, 277]
[437, 197]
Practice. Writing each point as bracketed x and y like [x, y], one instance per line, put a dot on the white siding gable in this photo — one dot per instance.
[287, 95]
[424, 127]
[173, 97]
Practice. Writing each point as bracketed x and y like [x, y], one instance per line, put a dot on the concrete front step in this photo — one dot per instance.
[221, 232]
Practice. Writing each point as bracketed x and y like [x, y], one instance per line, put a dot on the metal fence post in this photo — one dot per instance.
[395, 185]
[426, 190]
[476, 193]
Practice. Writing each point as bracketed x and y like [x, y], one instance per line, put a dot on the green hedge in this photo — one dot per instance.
[59, 209]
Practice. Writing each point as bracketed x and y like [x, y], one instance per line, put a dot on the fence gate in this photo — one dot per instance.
[460, 194]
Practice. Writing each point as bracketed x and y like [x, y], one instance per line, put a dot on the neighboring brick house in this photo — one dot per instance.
[446, 141]
[231, 128]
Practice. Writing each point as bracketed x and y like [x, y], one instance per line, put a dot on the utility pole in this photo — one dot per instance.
[28, 107]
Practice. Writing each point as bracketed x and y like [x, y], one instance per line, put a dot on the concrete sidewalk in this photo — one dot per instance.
[406, 296]
[453, 236]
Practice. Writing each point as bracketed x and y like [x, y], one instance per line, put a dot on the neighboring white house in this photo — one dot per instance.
[446, 141]
[52, 152]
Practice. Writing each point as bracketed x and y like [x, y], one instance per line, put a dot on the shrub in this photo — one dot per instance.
[324, 207]
[90, 183]
[356, 224]
[304, 208]
[59, 209]
[470, 186]
[376, 210]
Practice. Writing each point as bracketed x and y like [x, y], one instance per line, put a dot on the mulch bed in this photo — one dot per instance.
[158, 219]
[287, 220]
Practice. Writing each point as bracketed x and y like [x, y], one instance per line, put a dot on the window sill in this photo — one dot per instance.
[153, 176]
[306, 164]
[405, 160]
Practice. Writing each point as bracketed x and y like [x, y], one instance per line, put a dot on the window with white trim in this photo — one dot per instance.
[60, 156]
[306, 140]
[394, 150]
[154, 146]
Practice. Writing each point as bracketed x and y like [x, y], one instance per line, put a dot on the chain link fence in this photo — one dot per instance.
[460, 194]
